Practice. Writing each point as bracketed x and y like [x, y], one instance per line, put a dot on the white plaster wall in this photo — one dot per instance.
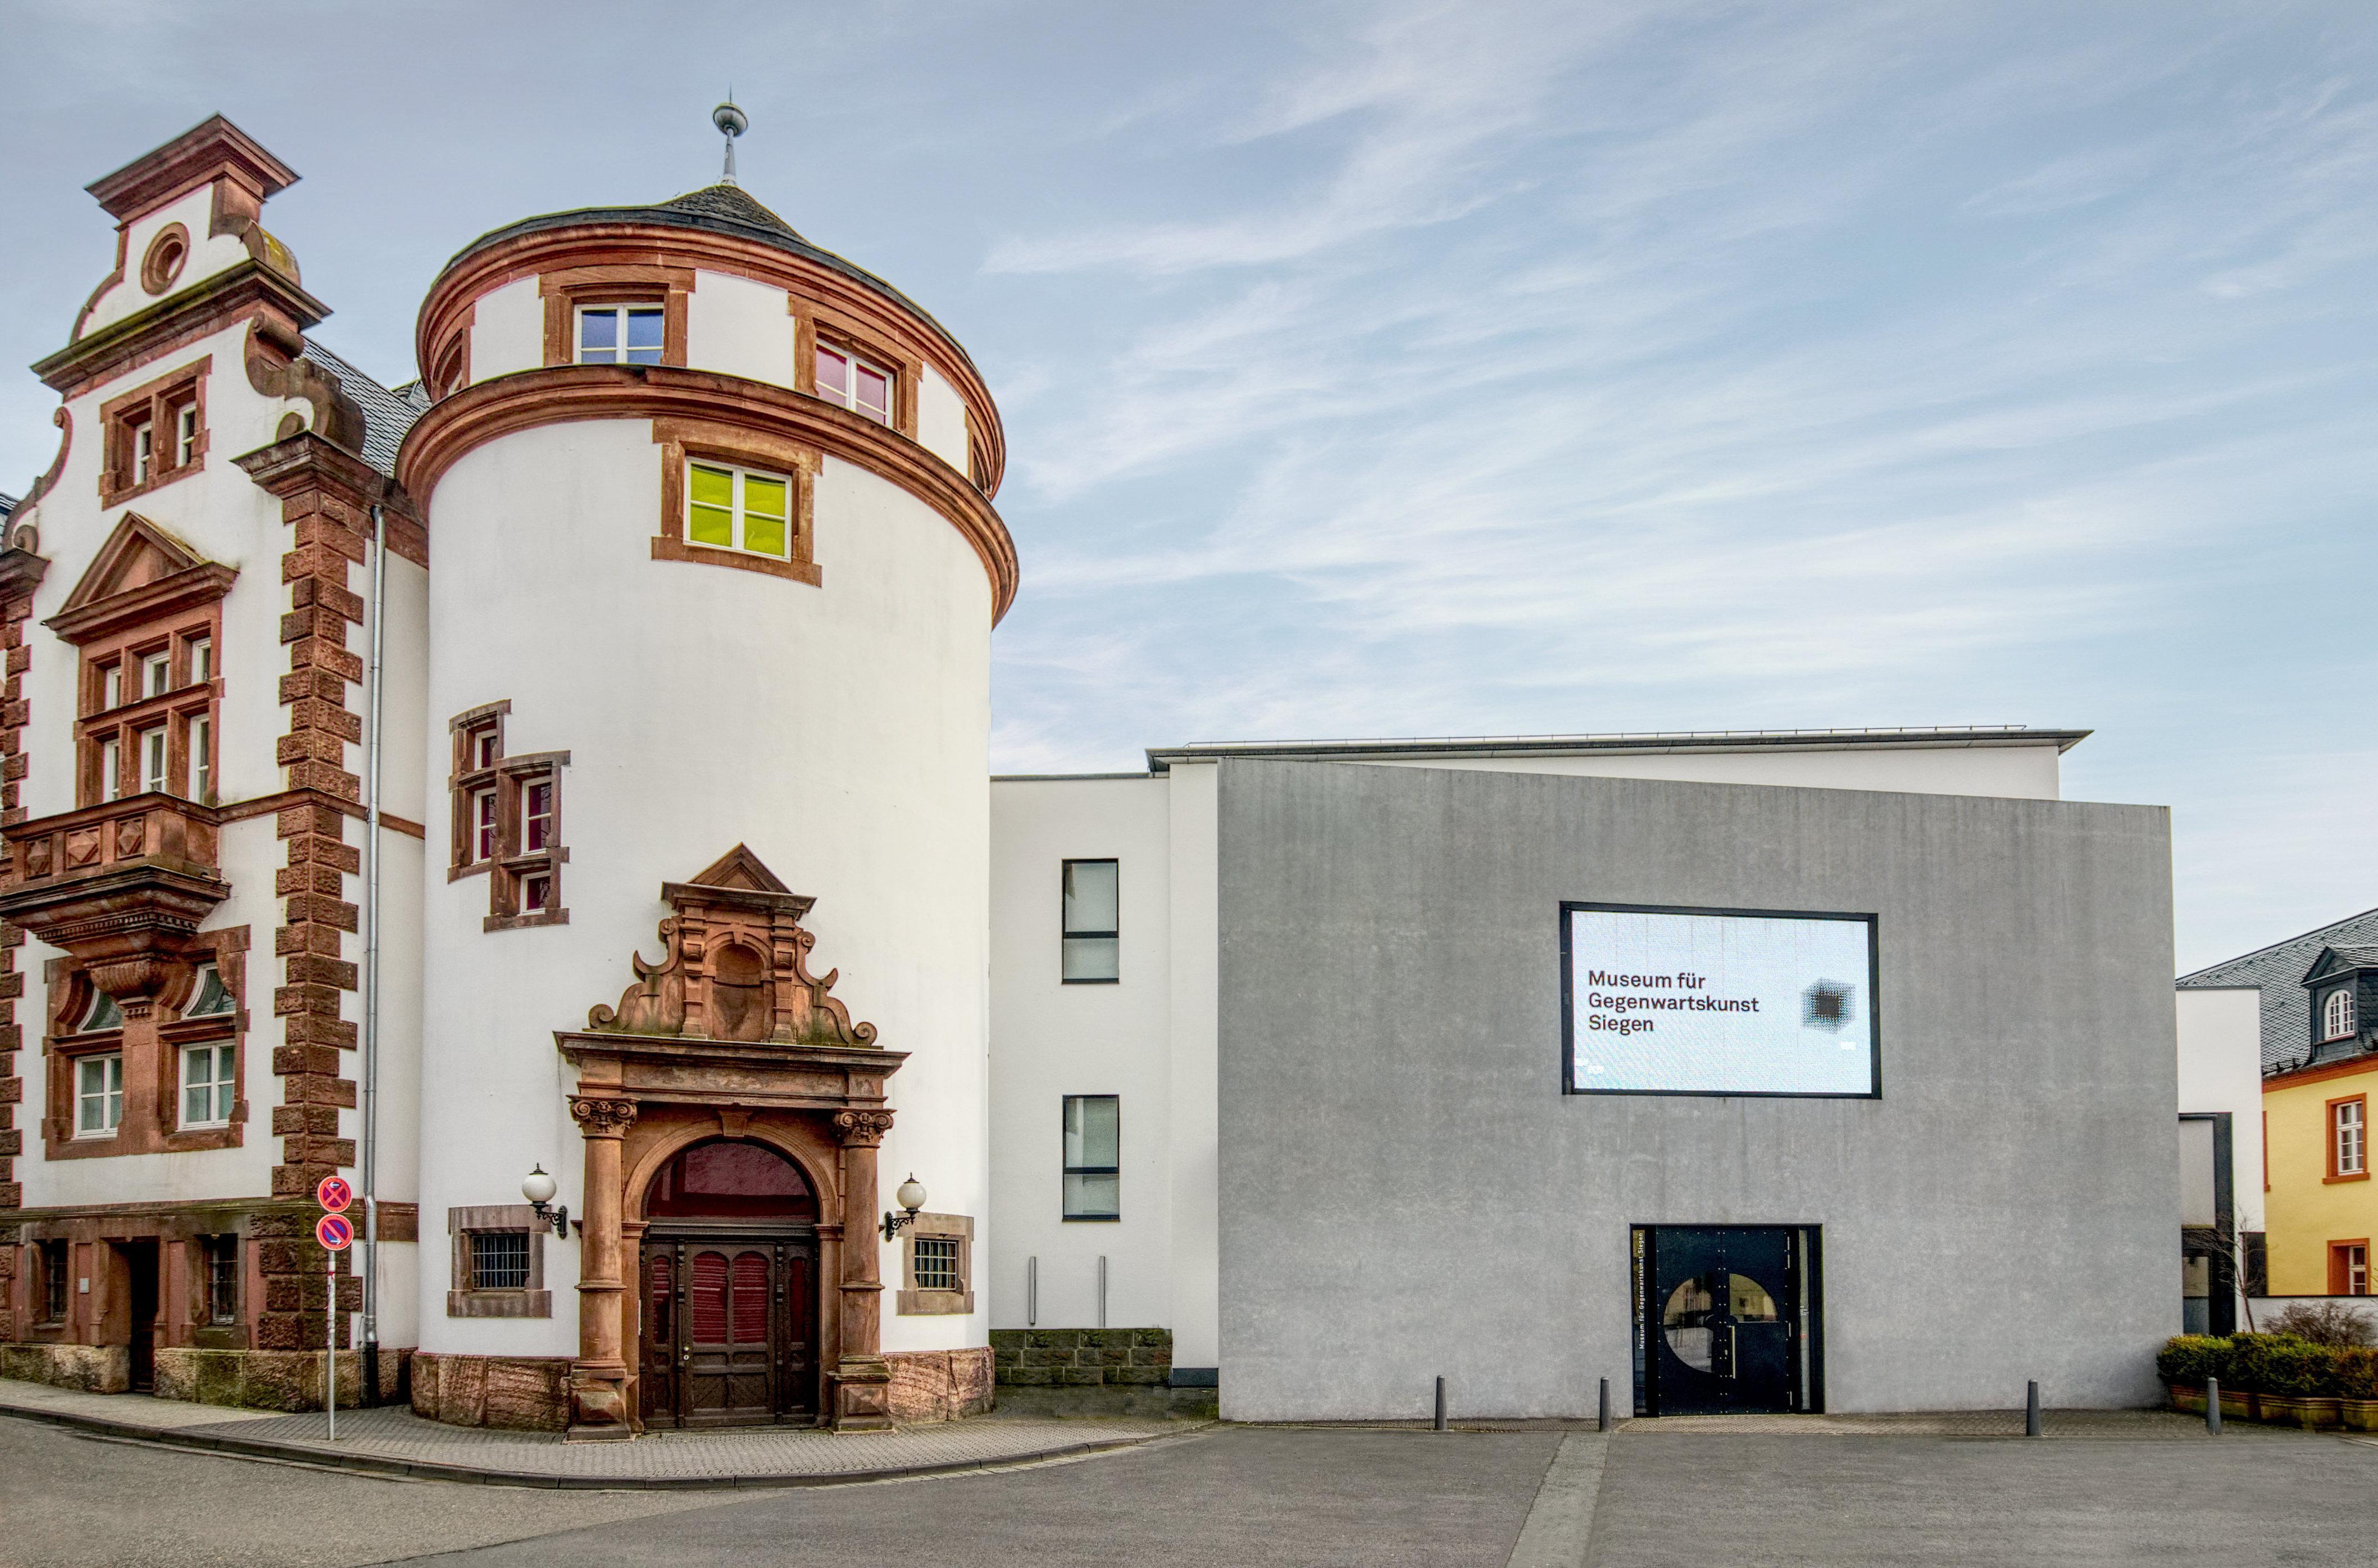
[740, 327]
[2023, 773]
[209, 256]
[940, 419]
[841, 732]
[507, 331]
[1196, 926]
[2221, 1069]
[1049, 1040]
[400, 1291]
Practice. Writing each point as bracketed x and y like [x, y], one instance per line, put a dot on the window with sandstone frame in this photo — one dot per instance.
[505, 822]
[153, 435]
[149, 703]
[497, 1263]
[736, 497]
[180, 1058]
[56, 1267]
[936, 1266]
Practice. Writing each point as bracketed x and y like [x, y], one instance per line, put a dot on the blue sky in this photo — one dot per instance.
[1430, 369]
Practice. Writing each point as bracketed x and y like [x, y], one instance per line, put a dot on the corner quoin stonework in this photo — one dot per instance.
[326, 497]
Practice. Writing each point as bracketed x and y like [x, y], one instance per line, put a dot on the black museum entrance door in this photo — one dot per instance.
[729, 1285]
[1725, 1320]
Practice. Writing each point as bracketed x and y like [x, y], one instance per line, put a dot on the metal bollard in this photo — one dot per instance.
[1440, 1403]
[2212, 1406]
[1602, 1422]
[2031, 1410]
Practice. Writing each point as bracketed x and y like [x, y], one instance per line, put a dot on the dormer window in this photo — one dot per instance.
[858, 384]
[2337, 1014]
[153, 435]
[620, 334]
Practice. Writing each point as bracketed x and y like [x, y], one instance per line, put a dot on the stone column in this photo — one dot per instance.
[598, 1381]
[862, 1379]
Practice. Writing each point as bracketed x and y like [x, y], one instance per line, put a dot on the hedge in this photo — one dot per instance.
[2271, 1363]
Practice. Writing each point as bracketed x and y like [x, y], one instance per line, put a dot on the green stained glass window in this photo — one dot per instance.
[713, 518]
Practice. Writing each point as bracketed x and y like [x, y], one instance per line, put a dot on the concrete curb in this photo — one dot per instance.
[233, 1446]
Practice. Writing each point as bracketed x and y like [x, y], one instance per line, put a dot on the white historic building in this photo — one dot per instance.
[552, 796]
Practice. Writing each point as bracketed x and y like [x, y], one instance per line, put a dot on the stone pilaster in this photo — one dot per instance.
[861, 1379]
[599, 1400]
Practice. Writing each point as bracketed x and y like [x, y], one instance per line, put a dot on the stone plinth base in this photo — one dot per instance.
[250, 1379]
[939, 1386]
[521, 1393]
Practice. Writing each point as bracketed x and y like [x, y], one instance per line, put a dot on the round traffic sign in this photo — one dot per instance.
[335, 1232]
[333, 1194]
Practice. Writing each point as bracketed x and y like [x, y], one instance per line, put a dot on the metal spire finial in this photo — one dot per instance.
[734, 123]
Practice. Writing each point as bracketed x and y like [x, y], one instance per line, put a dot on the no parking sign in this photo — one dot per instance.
[335, 1232]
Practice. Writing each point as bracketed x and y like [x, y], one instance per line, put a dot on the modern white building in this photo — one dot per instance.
[650, 626]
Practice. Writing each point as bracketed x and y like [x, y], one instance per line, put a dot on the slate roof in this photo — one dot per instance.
[2279, 970]
[7, 504]
[721, 209]
[388, 413]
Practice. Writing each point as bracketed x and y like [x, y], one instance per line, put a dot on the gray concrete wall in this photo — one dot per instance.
[1406, 1192]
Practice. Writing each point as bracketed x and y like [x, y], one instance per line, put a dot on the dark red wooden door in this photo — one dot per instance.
[729, 1330]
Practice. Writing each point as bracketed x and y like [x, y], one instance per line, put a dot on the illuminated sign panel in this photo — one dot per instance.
[1717, 1001]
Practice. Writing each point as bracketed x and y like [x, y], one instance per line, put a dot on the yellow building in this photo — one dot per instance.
[2321, 1209]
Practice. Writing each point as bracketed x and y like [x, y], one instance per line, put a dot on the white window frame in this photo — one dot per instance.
[202, 660]
[2337, 1014]
[206, 973]
[110, 687]
[537, 893]
[218, 1086]
[536, 827]
[620, 312]
[185, 434]
[737, 512]
[848, 398]
[156, 673]
[155, 759]
[108, 1097]
[202, 757]
[2348, 1132]
[483, 823]
[111, 768]
[144, 450]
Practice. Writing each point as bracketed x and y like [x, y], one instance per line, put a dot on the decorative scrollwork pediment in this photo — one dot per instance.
[734, 965]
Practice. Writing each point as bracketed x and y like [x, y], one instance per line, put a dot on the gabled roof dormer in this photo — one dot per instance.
[140, 573]
[2339, 983]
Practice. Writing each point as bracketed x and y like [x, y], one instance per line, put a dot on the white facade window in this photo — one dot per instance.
[537, 893]
[111, 768]
[202, 660]
[202, 757]
[156, 673]
[1093, 1156]
[185, 434]
[860, 384]
[152, 759]
[2349, 1138]
[483, 747]
[98, 1096]
[144, 452]
[102, 1013]
[2337, 1014]
[738, 508]
[205, 1085]
[620, 334]
[110, 688]
[1093, 948]
[483, 825]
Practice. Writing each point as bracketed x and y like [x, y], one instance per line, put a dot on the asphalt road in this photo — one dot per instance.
[1239, 1496]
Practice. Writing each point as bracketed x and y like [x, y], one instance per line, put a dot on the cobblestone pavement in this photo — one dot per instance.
[394, 1438]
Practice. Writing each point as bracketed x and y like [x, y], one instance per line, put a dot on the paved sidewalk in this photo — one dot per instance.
[2125, 1425]
[396, 1441]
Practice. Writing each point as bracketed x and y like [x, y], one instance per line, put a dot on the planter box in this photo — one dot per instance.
[2279, 1408]
[2191, 1400]
[2313, 1412]
[2237, 1406]
[2359, 1415]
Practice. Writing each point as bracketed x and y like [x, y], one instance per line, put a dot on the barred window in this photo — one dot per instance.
[499, 1260]
[55, 1269]
[222, 1278]
[937, 1262]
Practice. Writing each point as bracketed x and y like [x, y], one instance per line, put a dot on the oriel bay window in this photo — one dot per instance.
[507, 813]
[148, 720]
[167, 1078]
[1093, 1148]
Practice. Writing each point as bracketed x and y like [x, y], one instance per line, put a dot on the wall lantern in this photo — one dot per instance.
[538, 1189]
[910, 1197]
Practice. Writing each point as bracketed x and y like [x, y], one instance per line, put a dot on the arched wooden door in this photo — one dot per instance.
[731, 1298]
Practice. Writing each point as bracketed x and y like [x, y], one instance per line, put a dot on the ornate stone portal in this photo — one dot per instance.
[730, 1035]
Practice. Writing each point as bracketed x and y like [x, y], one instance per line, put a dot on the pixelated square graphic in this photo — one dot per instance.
[1827, 1005]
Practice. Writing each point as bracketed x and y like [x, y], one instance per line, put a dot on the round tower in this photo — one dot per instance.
[714, 573]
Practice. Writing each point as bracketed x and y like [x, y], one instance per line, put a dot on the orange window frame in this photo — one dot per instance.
[2328, 1132]
[2340, 1266]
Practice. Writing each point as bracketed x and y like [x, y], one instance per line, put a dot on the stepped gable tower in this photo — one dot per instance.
[709, 656]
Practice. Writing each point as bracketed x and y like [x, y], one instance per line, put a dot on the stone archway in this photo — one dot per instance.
[786, 1068]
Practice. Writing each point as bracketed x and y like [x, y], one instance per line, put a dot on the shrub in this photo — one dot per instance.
[2302, 1369]
[2357, 1372]
[2323, 1323]
[2248, 1364]
[2188, 1359]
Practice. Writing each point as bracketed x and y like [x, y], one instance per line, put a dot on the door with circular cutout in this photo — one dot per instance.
[1724, 1331]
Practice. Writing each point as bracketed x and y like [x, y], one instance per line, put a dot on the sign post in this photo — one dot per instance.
[336, 1232]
